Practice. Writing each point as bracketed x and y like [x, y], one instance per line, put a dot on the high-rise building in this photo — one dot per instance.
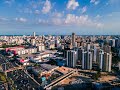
[96, 49]
[107, 48]
[66, 48]
[86, 60]
[105, 61]
[98, 55]
[57, 42]
[73, 39]
[34, 34]
[79, 52]
[33, 42]
[113, 42]
[117, 43]
[101, 59]
[89, 61]
[88, 47]
[71, 58]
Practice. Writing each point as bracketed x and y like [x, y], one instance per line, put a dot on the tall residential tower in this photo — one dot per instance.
[71, 58]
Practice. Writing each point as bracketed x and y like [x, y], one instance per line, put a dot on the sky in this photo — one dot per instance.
[60, 17]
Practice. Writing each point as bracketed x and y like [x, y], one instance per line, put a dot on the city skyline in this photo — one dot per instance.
[59, 17]
[52, 62]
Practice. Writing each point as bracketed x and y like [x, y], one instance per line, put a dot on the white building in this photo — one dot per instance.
[105, 61]
[71, 58]
[86, 60]
[27, 51]
[41, 47]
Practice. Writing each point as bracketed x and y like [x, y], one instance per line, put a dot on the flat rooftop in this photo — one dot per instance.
[64, 70]
[48, 66]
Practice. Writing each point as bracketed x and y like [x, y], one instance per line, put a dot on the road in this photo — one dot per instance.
[22, 80]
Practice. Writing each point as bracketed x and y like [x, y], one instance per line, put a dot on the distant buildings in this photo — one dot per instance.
[86, 52]
[90, 56]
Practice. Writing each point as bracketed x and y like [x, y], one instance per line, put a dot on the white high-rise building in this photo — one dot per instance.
[108, 62]
[105, 61]
[71, 58]
[101, 59]
[86, 60]
[88, 47]
[34, 34]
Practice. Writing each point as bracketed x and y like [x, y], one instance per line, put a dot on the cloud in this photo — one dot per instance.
[9, 2]
[92, 1]
[21, 19]
[27, 10]
[46, 7]
[82, 20]
[37, 12]
[72, 19]
[98, 16]
[84, 9]
[57, 14]
[72, 4]
[96, 2]
[3, 19]
[114, 1]
[43, 21]
[57, 21]
[57, 18]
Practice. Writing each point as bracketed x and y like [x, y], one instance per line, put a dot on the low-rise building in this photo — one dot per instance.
[43, 69]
